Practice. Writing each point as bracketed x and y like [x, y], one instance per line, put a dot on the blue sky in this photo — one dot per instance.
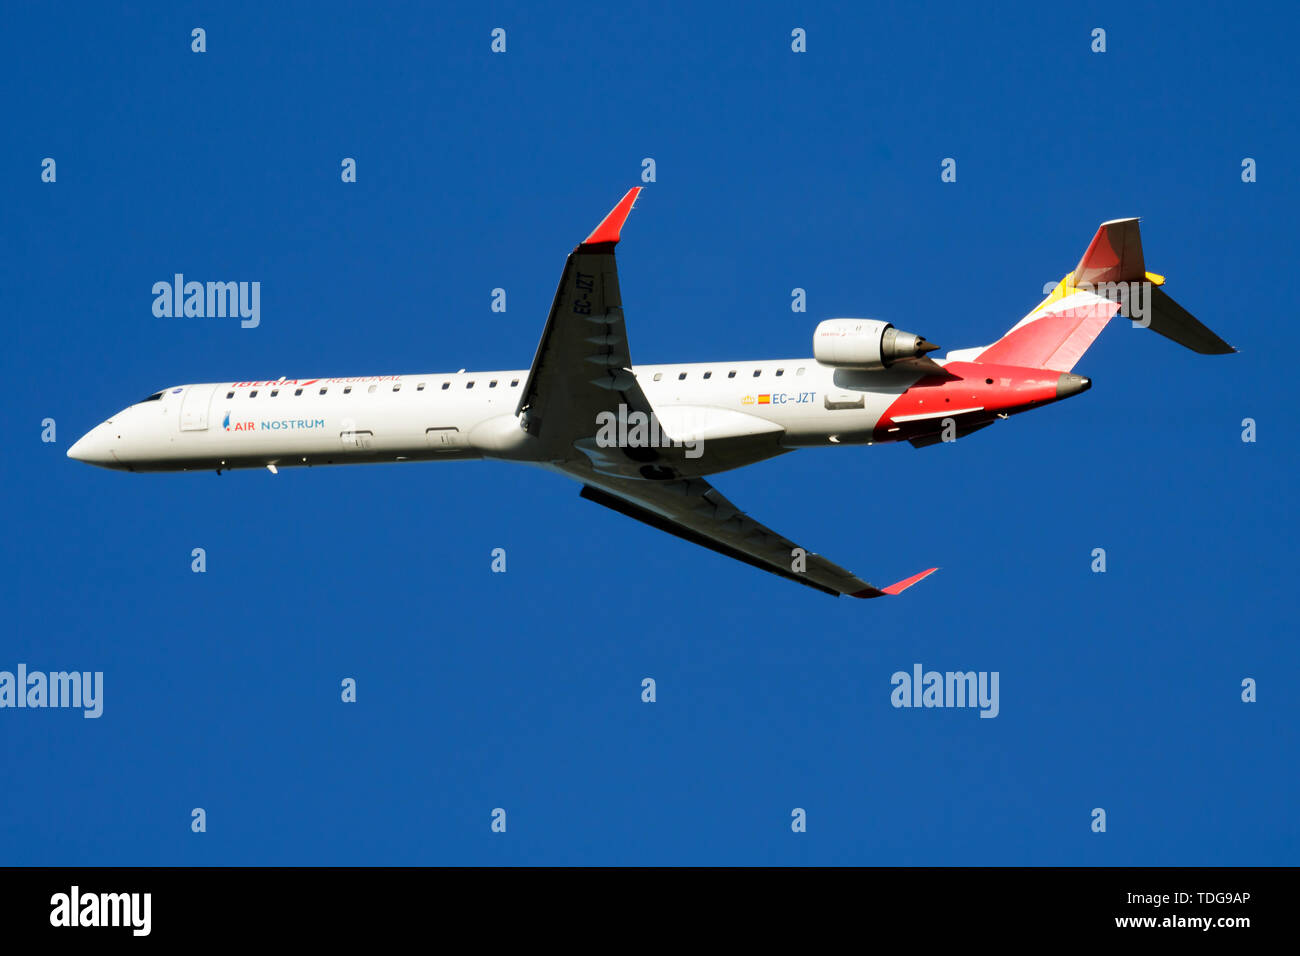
[521, 690]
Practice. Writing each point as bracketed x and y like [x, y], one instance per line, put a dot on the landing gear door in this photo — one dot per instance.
[194, 407]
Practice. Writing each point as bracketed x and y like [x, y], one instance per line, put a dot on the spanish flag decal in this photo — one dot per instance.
[765, 399]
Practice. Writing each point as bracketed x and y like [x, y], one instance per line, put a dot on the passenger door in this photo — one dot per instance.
[194, 407]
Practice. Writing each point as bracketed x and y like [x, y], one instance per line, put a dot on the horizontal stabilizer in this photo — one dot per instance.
[1174, 322]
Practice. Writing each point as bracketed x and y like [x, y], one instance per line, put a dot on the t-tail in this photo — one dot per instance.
[1111, 279]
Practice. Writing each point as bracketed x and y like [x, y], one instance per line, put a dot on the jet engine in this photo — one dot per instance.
[866, 344]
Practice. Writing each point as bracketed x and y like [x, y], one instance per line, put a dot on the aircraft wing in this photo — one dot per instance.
[583, 366]
[694, 510]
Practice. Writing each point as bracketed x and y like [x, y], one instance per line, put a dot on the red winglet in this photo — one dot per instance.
[903, 585]
[612, 224]
[897, 588]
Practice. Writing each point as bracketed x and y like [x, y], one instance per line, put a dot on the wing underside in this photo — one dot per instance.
[695, 511]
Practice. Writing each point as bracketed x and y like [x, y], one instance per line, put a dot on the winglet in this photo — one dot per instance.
[901, 586]
[896, 588]
[612, 225]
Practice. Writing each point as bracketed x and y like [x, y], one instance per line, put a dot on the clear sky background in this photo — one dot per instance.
[521, 690]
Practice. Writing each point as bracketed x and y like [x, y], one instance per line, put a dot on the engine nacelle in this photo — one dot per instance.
[865, 344]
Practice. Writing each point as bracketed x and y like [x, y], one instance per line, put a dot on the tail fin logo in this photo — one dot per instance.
[225, 422]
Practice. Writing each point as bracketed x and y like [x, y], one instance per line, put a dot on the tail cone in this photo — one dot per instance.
[1069, 384]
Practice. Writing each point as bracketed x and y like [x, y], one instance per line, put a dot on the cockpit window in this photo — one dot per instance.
[152, 398]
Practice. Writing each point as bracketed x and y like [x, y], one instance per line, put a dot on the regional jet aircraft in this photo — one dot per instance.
[642, 438]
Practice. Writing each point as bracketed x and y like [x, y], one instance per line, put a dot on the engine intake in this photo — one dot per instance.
[865, 344]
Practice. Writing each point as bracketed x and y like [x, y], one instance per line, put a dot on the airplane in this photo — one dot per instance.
[641, 439]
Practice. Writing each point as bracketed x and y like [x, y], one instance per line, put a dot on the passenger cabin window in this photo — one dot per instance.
[297, 391]
[275, 392]
[230, 394]
[397, 387]
[780, 372]
[681, 376]
[446, 385]
[757, 372]
[798, 371]
[514, 383]
[731, 374]
[708, 375]
[420, 387]
[658, 376]
[324, 390]
[371, 389]
[253, 394]
[347, 390]
[492, 384]
[469, 384]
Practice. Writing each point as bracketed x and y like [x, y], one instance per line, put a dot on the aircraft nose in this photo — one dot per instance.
[94, 447]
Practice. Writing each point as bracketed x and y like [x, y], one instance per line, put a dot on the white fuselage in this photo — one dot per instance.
[779, 405]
